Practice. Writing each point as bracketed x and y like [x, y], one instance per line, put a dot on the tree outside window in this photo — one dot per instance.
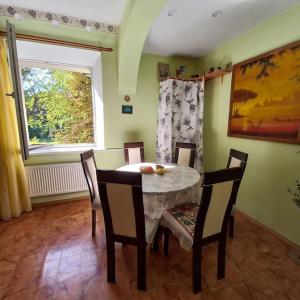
[59, 106]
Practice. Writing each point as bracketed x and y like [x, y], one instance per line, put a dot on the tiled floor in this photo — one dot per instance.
[49, 254]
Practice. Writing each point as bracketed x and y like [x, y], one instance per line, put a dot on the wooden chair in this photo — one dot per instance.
[196, 226]
[89, 169]
[134, 152]
[236, 159]
[122, 204]
[185, 154]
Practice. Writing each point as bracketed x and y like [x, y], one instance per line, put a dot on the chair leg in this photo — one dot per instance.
[110, 247]
[231, 226]
[94, 216]
[166, 241]
[197, 269]
[157, 237]
[141, 262]
[221, 256]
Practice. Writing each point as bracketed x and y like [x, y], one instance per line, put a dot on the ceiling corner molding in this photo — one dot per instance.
[56, 19]
[137, 21]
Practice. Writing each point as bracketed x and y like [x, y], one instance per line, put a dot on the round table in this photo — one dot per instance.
[179, 185]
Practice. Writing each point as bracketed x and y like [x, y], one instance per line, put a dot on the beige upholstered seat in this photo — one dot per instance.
[197, 225]
[184, 157]
[185, 154]
[181, 220]
[236, 159]
[120, 201]
[123, 209]
[235, 162]
[89, 169]
[134, 152]
[134, 155]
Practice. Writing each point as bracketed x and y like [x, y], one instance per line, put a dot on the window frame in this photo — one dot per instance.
[97, 109]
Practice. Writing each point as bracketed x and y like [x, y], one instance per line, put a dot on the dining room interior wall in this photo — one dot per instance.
[118, 127]
[272, 167]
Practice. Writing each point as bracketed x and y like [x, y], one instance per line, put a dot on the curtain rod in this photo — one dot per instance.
[34, 38]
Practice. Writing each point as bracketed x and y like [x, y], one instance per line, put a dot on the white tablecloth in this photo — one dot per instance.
[178, 186]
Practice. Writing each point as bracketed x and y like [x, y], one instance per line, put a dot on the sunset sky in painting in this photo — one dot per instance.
[278, 85]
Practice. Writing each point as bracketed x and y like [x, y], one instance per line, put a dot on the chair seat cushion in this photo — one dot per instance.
[150, 228]
[181, 221]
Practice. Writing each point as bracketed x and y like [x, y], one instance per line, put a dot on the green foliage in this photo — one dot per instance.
[58, 105]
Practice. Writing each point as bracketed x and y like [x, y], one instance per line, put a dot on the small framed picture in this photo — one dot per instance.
[163, 70]
[127, 109]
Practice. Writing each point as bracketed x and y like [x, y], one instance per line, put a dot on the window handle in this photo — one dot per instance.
[12, 94]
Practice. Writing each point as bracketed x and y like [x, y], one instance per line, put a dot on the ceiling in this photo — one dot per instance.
[193, 31]
[106, 11]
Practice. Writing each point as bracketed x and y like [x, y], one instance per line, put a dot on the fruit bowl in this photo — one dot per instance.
[146, 170]
[159, 167]
[160, 171]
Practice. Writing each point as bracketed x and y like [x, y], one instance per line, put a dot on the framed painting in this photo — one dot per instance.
[163, 70]
[265, 96]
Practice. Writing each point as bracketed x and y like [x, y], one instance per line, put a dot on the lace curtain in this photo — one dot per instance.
[180, 119]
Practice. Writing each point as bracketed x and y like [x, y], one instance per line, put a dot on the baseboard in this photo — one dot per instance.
[50, 202]
[279, 236]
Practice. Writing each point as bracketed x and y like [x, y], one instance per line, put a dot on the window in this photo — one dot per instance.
[62, 97]
[58, 103]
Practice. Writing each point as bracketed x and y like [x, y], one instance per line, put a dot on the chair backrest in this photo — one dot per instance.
[218, 196]
[134, 152]
[237, 159]
[89, 169]
[122, 203]
[185, 154]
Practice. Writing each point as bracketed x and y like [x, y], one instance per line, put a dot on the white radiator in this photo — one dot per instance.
[54, 179]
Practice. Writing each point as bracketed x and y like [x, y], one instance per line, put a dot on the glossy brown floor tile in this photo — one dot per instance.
[50, 254]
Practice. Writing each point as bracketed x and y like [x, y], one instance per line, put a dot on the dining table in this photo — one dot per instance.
[178, 185]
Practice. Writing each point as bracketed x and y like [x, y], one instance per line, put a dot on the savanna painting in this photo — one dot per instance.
[265, 96]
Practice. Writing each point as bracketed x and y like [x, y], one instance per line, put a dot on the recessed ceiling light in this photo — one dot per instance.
[171, 12]
[216, 13]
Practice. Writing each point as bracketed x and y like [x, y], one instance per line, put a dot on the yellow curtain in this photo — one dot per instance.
[14, 197]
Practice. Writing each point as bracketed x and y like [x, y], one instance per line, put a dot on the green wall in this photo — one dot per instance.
[134, 30]
[118, 128]
[272, 166]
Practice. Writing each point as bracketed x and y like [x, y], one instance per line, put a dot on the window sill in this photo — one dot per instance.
[61, 149]
[45, 150]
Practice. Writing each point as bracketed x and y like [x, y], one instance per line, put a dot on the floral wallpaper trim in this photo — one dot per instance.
[56, 19]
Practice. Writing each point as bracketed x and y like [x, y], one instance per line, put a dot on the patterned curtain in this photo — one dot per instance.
[180, 118]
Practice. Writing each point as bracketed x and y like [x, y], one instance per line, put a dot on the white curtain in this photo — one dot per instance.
[180, 119]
